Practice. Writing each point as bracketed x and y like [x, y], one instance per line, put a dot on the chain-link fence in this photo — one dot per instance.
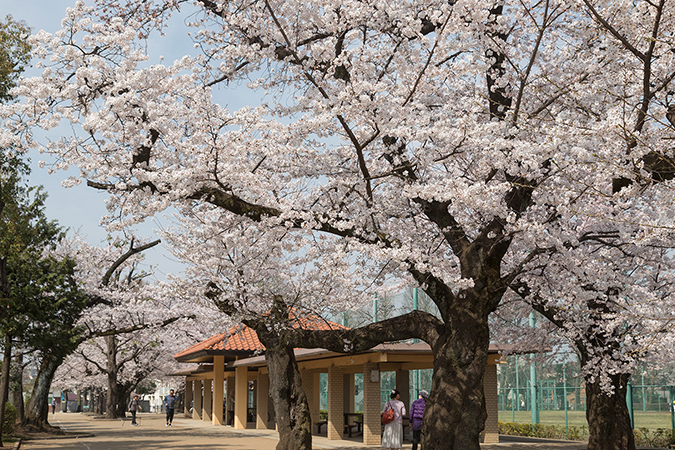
[559, 396]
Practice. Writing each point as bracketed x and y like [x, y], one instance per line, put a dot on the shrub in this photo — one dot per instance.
[661, 437]
[9, 420]
[543, 431]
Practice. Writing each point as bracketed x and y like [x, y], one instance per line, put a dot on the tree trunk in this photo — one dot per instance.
[99, 401]
[455, 412]
[116, 401]
[116, 398]
[37, 409]
[609, 426]
[291, 408]
[4, 379]
[16, 387]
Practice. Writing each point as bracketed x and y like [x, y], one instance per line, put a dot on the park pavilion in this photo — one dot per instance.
[234, 362]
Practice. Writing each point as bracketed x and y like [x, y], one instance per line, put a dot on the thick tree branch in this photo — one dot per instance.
[105, 280]
[416, 324]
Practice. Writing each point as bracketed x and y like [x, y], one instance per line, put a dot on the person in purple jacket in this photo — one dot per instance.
[416, 414]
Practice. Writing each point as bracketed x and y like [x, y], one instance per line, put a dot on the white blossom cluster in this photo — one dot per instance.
[150, 322]
[372, 110]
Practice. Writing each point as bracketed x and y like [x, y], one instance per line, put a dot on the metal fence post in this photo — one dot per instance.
[517, 386]
[629, 401]
[533, 381]
[567, 423]
[671, 405]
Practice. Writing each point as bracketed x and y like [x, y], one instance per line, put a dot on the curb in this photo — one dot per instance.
[62, 436]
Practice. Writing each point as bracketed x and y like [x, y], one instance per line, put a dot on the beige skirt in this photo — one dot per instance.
[393, 435]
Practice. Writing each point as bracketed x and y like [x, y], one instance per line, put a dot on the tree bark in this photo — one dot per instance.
[99, 401]
[455, 412]
[115, 400]
[16, 387]
[4, 379]
[609, 426]
[291, 408]
[37, 409]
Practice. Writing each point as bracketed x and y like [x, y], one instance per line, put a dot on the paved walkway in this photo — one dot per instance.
[185, 434]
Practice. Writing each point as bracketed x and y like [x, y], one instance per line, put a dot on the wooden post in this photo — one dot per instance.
[188, 397]
[197, 401]
[206, 404]
[240, 397]
[218, 392]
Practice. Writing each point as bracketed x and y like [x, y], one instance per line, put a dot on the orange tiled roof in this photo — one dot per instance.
[243, 339]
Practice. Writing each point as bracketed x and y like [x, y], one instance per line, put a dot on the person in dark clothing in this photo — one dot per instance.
[416, 414]
[169, 405]
[53, 405]
[134, 407]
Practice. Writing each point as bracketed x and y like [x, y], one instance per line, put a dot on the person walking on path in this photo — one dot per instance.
[53, 405]
[416, 414]
[230, 406]
[392, 437]
[134, 406]
[169, 405]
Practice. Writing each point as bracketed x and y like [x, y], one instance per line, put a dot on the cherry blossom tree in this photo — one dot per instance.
[56, 332]
[618, 314]
[460, 142]
[278, 283]
[127, 336]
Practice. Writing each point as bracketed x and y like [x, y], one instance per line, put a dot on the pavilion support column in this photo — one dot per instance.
[206, 404]
[311, 383]
[263, 421]
[335, 403]
[403, 385]
[372, 420]
[491, 432]
[188, 397]
[197, 401]
[218, 391]
[308, 386]
[240, 397]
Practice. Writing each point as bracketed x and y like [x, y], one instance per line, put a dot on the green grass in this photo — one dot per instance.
[648, 419]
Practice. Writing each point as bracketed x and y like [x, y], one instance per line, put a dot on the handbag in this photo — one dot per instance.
[388, 414]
